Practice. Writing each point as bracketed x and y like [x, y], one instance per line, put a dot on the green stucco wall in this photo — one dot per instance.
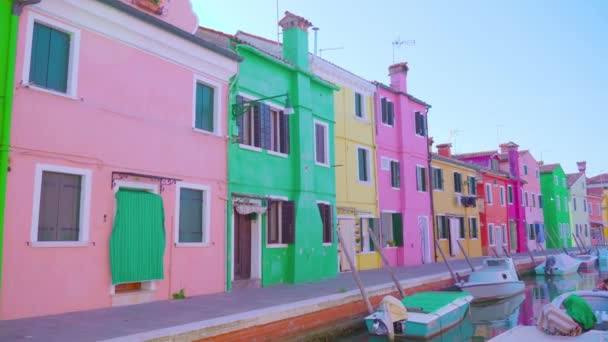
[296, 177]
[8, 46]
[554, 217]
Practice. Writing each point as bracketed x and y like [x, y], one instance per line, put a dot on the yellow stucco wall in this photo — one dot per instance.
[605, 213]
[445, 203]
[353, 197]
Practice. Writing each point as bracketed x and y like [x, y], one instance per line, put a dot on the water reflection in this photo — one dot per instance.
[491, 319]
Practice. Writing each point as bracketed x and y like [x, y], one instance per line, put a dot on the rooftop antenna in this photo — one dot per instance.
[329, 49]
[453, 134]
[398, 43]
[498, 127]
[278, 27]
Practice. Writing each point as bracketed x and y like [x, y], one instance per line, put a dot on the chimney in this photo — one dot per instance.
[445, 150]
[582, 166]
[541, 163]
[431, 142]
[398, 74]
[511, 149]
[295, 40]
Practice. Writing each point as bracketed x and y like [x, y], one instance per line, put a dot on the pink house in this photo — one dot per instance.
[532, 200]
[117, 183]
[403, 164]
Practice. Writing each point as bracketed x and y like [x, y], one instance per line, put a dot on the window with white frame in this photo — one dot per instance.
[558, 203]
[52, 50]
[526, 199]
[574, 203]
[504, 234]
[366, 244]
[280, 222]
[321, 143]
[437, 178]
[457, 182]
[388, 112]
[204, 114]
[363, 164]
[359, 105]
[473, 228]
[491, 234]
[395, 174]
[523, 202]
[472, 183]
[461, 229]
[62, 203]
[420, 124]
[533, 200]
[555, 180]
[326, 212]
[443, 227]
[264, 127]
[502, 195]
[421, 178]
[525, 170]
[489, 193]
[193, 214]
[510, 194]
[540, 201]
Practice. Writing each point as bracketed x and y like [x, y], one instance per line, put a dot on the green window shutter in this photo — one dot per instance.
[358, 104]
[191, 204]
[398, 229]
[39, 64]
[384, 105]
[59, 57]
[204, 108]
[361, 161]
[391, 113]
[137, 244]
[288, 223]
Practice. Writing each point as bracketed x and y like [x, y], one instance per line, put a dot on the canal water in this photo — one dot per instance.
[487, 321]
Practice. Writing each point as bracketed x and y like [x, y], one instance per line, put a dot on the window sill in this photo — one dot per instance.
[368, 253]
[49, 91]
[202, 131]
[251, 148]
[361, 119]
[277, 245]
[134, 292]
[364, 182]
[322, 164]
[422, 191]
[192, 244]
[387, 125]
[392, 187]
[51, 244]
[420, 136]
[328, 244]
[391, 247]
[278, 154]
[439, 190]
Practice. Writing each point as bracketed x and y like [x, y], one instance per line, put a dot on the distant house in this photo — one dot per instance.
[598, 187]
[579, 206]
[556, 205]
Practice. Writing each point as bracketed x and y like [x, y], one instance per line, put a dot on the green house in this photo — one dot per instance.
[556, 205]
[281, 192]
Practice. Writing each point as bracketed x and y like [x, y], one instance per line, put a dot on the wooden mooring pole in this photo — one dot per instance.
[376, 242]
[353, 268]
[438, 246]
[466, 257]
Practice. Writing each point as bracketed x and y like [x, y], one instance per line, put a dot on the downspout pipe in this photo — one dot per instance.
[430, 186]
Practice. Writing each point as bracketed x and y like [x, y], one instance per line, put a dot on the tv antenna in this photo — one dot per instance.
[453, 134]
[329, 49]
[399, 43]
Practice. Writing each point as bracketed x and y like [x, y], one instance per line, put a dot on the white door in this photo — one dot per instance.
[347, 230]
[454, 235]
[498, 239]
[425, 233]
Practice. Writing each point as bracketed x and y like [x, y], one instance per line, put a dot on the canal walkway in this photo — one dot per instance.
[210, 315]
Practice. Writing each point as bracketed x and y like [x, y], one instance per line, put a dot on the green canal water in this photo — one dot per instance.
[487, 321]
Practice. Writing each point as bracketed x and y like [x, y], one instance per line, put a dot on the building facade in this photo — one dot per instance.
[556, 206]
[579, 207]
[516, 197]
[454, 187]
[535, 223]
[403, 161]
[112, 202]
[596, 221]
[598, 186]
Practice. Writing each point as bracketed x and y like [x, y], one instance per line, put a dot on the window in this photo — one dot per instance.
[363, 164]
[531, 232]
[437, 178]
[523, 203]
[443, 227]
[321, 144]
[281, 222]
[421, 178]
[526, 199]
[533, 200]
[326, 213]
[525, 170]
[472, 181]
[586, 230]
[279, 132]
[358, 105]
[489, 193]
[558, 203]
[264, 127]
[494, 164]
[563, 182]
[540, 201]
[388, 112]
[574, 203]
[392, 232]
[250, 132]
[566, 204]
[366, 244]
[504, 234]
[457, 182]
[63, 196]
[473, 228]
[491, 234]
[584, 205]
[193, 217]
[420, 124]
[502, 195]
[555, 180]
[510, 193]
[462, 230]
[204, 112]
[52, 60]
[395, 174]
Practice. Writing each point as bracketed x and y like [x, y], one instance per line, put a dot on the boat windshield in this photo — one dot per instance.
[496, 262]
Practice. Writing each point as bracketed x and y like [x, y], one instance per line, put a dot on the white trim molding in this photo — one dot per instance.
[326, 147]
[206, 214]
[85, 205]
[368, 165]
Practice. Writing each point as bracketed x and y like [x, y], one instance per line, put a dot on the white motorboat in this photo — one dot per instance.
[598, 300]
[587, 260]
[497, 279]
[560, 264]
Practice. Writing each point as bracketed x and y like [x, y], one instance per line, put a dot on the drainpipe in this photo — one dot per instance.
[430, 186]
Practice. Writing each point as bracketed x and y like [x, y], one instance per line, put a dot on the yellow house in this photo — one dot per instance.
[454, 185]
[355, 158]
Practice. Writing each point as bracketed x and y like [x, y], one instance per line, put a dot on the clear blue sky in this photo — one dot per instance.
[533, 72]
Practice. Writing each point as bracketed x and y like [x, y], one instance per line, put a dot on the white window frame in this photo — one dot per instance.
[206, 214]
[510, 200]
[489, 195]
[558, 202]
[493, 232]
[471, 218]
[382, 122]
[503, 200]
[525, 170]
[217, 105]
[418, 166]
[438, 230]
[367, 166]
[73, 60]
[454, 183]
[385, 163]
[85, 205]
[363, 116]
[324, 124]
[280, 223]
[391, 175]
[365, 235]
[469, 177]
[505, 235]
[433, 168]
[333, 223]
[526, 199]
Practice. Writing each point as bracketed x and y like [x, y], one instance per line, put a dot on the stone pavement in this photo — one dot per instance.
[122, 323]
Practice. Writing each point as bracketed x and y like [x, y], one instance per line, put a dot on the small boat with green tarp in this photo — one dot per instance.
[428, 314]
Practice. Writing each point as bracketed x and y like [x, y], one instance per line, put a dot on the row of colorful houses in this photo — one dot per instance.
[142, 154]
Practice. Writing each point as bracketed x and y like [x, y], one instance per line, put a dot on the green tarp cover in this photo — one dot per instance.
[137, 244]
[432, 301]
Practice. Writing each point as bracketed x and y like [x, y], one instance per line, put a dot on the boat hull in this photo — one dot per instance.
[493, 291]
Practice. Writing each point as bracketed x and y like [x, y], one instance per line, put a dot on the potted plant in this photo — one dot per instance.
[391, 243]
[154, 6]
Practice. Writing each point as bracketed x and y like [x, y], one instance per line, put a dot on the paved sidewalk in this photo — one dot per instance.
[109, 323]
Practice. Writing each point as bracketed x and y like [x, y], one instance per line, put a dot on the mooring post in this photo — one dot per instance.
[353, 268]
[446, 261]
[376, 242]
[466, 257]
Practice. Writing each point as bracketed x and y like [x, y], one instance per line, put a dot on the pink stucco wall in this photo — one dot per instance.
[133, 113]
[534, 214]
[400, 142]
